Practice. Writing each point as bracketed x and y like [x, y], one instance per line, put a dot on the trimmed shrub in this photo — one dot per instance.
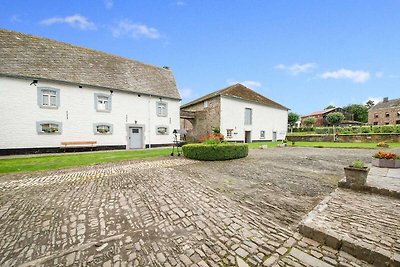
[215, 152]
[398, 128]
[356, 129]
[365, 129]
[376, 129]
[388, 129]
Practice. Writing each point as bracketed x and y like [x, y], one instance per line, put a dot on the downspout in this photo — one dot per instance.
[149, 111]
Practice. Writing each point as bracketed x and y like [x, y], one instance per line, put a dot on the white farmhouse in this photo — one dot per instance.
[54, 93]
[241, 114]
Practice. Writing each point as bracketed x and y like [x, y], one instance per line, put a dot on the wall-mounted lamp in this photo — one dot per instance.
[135, 122]
[34, 82]
[160, 98]
[111, 91]
[80, 86]
[139, 95]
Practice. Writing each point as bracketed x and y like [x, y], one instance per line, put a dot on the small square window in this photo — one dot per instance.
[48, 97]
[205, 103]
[162, 130]
[229, 133]
[387, 115]
[162, 109]
[48, 127]
[262, 134]
[375, 123]
[376, 115]
[102, 128]
[102, 102]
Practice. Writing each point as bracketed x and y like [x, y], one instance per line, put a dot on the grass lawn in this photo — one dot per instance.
[57, 161]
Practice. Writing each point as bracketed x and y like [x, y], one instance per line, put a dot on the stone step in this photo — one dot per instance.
[364, 225]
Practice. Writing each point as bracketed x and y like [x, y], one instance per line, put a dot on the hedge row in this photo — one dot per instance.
[352, 129]
[215, 152]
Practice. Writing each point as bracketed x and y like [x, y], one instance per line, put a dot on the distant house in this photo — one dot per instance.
[385, 112]
[320, 117]
[240, 113]
[53, 92]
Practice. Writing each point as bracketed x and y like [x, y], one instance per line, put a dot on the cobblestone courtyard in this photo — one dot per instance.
[173, 212]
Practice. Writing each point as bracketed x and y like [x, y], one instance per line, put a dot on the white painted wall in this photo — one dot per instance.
[265, 118]
[19, 112]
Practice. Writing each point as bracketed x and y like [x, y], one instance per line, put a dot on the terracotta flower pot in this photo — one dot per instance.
[386, 163]
[356, 176]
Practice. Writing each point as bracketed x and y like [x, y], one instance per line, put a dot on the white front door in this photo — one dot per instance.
[274, 136]
[135, 137]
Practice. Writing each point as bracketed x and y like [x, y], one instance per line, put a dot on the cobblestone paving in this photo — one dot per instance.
[365, 225]
[145, 213]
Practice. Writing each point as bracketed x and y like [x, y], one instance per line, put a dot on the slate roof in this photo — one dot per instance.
[239, 91]
[393, 103]
[29, 56]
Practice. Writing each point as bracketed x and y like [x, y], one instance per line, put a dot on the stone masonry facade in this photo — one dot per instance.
[206, 118]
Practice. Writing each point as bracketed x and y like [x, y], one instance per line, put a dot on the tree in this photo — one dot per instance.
[330, 106]
[334, 118]
[370, 103]
[309, 121]
[358, 112]
[292, 118]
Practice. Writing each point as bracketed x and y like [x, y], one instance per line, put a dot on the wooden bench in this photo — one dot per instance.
[78, 144]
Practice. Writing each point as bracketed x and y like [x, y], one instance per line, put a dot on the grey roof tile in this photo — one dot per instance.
[30, 56]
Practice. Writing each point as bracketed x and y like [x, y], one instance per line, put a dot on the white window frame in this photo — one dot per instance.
[96, 125]
[162, 126]
[205, 103]
[97, 97]
[162, 109]
[50, 92]
[39, 127]
[250, 120]
[229, 133]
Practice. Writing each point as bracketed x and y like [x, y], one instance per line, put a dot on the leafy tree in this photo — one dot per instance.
[358, 112]
[292, 118]
[330, 106]
[309, 121]
[334, 118]
[370, 104]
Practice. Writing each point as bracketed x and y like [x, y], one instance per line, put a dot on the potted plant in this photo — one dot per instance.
[356, 173]
[384, 159]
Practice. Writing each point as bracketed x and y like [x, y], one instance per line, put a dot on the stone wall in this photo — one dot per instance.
[372, 138]
[205, 119]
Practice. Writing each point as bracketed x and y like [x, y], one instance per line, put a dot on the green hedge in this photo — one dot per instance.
[215, 152]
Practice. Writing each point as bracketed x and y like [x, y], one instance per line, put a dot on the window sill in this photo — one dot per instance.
[48, 107]
[103, 111]
[44, 133]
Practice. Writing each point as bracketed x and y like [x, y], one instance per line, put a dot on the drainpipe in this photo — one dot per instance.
[149, 111]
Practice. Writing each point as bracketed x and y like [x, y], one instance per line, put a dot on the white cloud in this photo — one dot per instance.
[15, 19]
[186, 92]
[109, 3]
[375, 99]
[357, 76]
[135, 30]
[296, 69]
[76, 21]
[247, 83]
[379, 74]
[180, 3]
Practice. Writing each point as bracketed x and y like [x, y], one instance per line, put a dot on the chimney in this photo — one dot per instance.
[385, 99]
[165, 67]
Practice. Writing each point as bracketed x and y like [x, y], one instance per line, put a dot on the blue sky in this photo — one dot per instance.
[302, 54]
